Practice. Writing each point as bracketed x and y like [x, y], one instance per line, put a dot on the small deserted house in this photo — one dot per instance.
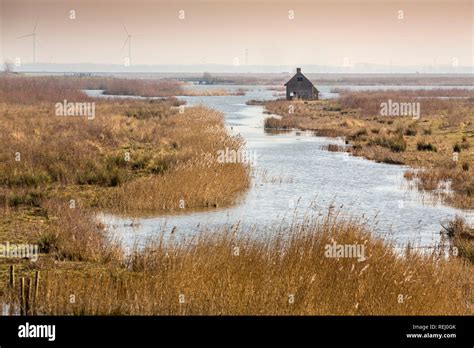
[299, 87]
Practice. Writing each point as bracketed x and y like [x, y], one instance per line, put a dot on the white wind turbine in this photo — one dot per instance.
[33, 34]
[129, 40]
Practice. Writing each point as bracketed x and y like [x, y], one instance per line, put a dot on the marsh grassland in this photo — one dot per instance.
[437, 140]
[227, 272]
[146, 156]
[439, 144]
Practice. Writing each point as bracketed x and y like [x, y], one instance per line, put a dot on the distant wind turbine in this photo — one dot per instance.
[33, 34]
[129, 40]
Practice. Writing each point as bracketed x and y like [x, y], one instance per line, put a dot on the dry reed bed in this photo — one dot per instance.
[144, 88]
[56, 89]
[23, 89]
[31, 90]
[197, 185]
[212, 92]
[132, 154]
[393, 79]
[409, 93]
[175, 154]
[461, 233]
[368, 102]
[285, 273]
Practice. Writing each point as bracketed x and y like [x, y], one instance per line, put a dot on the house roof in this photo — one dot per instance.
[299, 74]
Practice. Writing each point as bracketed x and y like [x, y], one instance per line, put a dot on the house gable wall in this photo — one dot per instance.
[303, 89]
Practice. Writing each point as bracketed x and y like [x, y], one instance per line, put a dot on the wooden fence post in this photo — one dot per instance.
[27, 295]
[12, 276]
[22, 296]
[35, 294]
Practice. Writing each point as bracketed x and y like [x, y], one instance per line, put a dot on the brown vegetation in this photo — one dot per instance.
[234, 272]
[30, 90]
[133, 153]
[143, 88]
[462, 237]
[441, 141]
[368, 102]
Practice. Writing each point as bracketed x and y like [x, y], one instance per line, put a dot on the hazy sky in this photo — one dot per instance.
[321, 32]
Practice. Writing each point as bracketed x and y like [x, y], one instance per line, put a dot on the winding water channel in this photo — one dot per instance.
[293, 174]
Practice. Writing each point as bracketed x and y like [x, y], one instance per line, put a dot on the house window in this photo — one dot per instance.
[299, 78]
